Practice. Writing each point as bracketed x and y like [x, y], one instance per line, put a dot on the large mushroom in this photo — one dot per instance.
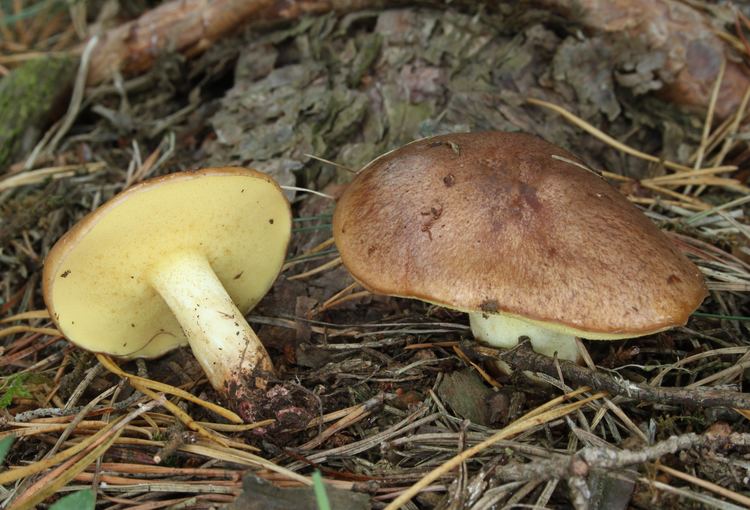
[519, 234]
[173, 261]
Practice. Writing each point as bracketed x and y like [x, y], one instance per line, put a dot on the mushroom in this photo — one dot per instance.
[174, 261]
[519, 234]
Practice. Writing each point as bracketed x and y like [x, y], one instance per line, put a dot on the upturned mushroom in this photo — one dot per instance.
[174, 261]
[519, 234]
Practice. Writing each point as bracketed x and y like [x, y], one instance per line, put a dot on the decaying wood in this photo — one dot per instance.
[691, 49]
[186, 27]
[190, 27]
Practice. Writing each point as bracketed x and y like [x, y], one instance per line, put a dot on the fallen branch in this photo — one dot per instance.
[190, 27]
[523, 357]
[45, 412]
[582, 462]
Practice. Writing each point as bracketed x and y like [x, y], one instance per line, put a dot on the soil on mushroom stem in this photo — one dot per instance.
[257, 399]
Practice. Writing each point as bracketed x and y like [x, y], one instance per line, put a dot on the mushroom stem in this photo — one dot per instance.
[221, 339]
[500, 330]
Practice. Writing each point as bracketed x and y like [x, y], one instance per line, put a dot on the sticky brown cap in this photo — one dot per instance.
[506, 222]
[96, 284]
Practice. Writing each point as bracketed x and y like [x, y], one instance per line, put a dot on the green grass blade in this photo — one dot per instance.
[5, 445]
[321, 496]
[719, 316]
[81, 500]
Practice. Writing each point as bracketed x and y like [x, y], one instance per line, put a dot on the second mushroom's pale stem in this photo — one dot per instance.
[500, 330]
[221, 340]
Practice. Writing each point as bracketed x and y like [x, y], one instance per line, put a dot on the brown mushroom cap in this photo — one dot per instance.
[96, 278]
[508, 223]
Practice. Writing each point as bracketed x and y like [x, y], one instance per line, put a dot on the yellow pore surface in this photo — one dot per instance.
[96, 277]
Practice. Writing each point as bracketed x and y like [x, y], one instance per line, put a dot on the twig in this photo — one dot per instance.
[78, 419]
[362, 412]
[524, 358]
[57, 411]
[541, 415]
[61, 475]
[90, 376]
[581, 463]
[717, 489]
[700, 497]
[176, 437]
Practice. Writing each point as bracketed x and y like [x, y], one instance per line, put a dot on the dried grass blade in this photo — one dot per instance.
[552, 403]
[732, 129]
[100, 442]
[487, 377]
[12, 330]
[32, 429]
[32, 496]
[41, 175]
[717, 489]
[225, 427]
[686, 199]
[110, 365]
[37, 467]
[665, 202]
[181, 415]
[667, 179]
[320, 269]
[723, 182]
[331, 301]
[709, 116]
[606, 138]
[705, 137]
[243, 458]
[31, 314]
[522, 424]
[359, 413]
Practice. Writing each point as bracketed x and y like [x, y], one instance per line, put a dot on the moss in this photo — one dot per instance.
[31, 97]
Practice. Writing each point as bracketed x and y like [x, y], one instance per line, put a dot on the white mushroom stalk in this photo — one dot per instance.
[500, 330]
[223, 343]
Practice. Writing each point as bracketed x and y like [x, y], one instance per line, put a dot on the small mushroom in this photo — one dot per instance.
[519, 234]
[173, 261]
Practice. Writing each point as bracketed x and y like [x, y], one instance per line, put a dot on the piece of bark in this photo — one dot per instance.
[683, 35]
[31, 97]
[188, 27]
